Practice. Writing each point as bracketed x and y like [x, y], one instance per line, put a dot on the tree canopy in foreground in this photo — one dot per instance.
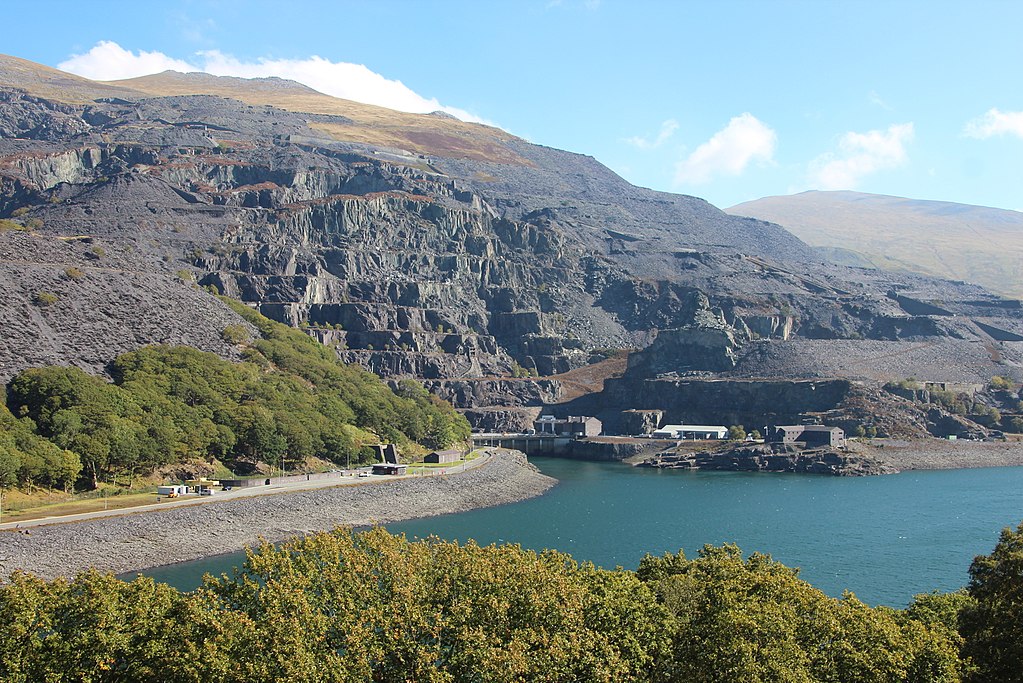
[372, 606]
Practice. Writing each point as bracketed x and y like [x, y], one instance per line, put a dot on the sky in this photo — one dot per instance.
[729, 100]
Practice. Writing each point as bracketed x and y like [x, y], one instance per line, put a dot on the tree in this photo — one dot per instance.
[993, 628]
[755, 620]
[736, 433]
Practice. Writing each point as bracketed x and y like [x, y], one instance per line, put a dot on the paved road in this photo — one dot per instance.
[246, 492]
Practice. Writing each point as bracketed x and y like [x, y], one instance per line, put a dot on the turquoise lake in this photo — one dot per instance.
[884, 538]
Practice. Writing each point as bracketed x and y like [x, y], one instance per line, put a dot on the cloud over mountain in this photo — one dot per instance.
[108, 61]
[859, 155]
[745, 139]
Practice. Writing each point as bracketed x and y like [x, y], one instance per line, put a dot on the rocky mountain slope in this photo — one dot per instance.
[955, 241]
[421, 246]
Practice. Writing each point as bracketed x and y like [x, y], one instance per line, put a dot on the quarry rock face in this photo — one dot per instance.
[479, 269]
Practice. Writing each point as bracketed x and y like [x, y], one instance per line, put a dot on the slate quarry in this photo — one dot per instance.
[487, 267]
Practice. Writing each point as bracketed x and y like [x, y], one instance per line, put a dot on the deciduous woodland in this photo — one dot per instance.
[346, 606]
[288, 400]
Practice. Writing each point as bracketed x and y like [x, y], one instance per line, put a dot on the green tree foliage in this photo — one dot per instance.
[291, 400]
[376, 607]
[754, 620]
[26, 459]
[736, 433]
[993, 626]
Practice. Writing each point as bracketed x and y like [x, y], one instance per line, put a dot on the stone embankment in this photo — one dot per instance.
[147, 539]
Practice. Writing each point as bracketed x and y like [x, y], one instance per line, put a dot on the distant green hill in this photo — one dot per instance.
[955, 241]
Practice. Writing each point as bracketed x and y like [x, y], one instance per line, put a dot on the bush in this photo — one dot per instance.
[736, 433]
[235, 334]
[45, 298]
[999, 383]
[74, 273]
[6, 225]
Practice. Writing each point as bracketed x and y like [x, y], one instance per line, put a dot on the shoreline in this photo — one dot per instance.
[146, 539]
[940, 454]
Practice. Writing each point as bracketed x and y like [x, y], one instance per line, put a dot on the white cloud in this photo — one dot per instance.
[860, 155]
[668, 129]
[729, 152]
[877, 101]
[108, 61]
[996, 122]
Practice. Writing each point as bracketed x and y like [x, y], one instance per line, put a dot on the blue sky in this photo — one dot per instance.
[726, 100]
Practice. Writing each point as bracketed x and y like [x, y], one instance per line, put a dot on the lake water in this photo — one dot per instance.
[884, 538]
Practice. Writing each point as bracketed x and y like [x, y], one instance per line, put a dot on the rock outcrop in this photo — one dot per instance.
[772, 458]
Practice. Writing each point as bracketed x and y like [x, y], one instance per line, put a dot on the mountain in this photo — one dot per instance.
[499, 273]
[956, 241]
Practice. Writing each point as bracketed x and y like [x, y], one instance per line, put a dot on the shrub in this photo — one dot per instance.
[6, 225]
[999, 383]
[45, 298]
[74, 273]
[235, 334]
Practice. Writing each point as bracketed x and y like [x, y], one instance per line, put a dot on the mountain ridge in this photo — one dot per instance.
[944, 239]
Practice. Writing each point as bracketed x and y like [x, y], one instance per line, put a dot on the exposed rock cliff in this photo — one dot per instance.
[456, 254]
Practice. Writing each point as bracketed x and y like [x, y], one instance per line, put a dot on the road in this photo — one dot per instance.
[247, 492]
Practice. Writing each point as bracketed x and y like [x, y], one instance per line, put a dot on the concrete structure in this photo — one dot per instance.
[390, 468]
[530, 444]
[579, 426]
[387, 452]
[811, 435]
[444, 456]
[694, 432]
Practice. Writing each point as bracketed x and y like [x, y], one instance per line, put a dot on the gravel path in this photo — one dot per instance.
[149, 539]
[939, 454]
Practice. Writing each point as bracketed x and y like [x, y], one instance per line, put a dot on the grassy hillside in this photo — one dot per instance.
[955, 241]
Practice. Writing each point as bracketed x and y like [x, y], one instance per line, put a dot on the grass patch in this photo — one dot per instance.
[77, 505]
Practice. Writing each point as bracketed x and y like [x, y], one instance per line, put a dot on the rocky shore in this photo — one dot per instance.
[860, 458]
[939, 454]
[773, 458]
[148, 539]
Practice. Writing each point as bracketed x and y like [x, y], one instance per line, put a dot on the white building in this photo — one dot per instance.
[693, 432]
